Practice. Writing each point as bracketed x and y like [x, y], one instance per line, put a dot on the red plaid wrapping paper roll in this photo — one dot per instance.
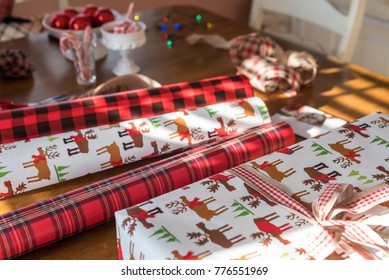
[32, 122]
[36, 225]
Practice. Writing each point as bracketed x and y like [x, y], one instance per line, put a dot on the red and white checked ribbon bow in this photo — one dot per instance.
[269, 75]
[333, 210]
[269, 67]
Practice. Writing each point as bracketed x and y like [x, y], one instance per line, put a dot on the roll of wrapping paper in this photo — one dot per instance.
[39, 224]
[45, 161]
[31, 122]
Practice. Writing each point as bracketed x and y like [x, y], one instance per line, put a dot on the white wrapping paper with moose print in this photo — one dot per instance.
[44, 161]
[223, 217]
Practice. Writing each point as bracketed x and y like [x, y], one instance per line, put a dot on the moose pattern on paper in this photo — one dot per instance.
[72, 154]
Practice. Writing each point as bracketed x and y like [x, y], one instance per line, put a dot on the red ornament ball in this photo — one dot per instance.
[70, 12]
[89, 10]
[102, 15]
[80, 22]
[60, 21]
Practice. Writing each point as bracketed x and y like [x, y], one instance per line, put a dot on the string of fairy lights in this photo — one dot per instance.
[171, 29]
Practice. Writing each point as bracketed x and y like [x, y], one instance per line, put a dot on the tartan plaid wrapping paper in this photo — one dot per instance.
[32, 122]
[36, 225]
[46, 161]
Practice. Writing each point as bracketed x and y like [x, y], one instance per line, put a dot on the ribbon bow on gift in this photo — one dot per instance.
[342, 215]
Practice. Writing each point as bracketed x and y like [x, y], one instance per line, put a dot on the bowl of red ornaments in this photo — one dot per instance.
[78, 18]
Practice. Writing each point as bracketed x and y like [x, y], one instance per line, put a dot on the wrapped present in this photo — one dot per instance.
[32, 122]
[36, 225]
[333, 204]
[45, 161]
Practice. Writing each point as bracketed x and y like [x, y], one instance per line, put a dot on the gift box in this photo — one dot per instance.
[322, 198]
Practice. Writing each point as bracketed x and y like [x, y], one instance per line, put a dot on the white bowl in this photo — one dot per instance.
[56, 32]
[122, 41]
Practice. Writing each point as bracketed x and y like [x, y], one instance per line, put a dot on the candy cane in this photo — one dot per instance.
[127, 25]
[81, 50]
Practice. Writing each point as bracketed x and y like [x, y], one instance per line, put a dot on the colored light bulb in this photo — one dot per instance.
[162, 27]
[198, 17]
[136, 17]
[169, 43]
[209, 25]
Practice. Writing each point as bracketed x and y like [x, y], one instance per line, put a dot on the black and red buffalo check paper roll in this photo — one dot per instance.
[34, 226]
[31, 122]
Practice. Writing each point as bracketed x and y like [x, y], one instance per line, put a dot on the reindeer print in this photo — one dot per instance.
[10, 191]
[138, 214]
[271, 169]
[218, 237]
[248, 109]
[319, 178]
[256, 197]
[351, 129]
[290, 150]
[115, 159]
[142, 215]
[267, 228]
[40, 163]
[135, 134]
[182, 130]
[297, 196]
[337, 254]
[132, 253]
[200, 207]
[155, 152]
[349, 154]
[220, 132]
[215, 180]
[80, 140]
[190, 255]
[384, 176]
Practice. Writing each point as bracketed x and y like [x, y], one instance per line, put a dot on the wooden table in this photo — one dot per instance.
[346, 91]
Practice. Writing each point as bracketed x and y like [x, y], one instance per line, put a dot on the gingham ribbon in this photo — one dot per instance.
[269, 75]
[269, 67]
[245, 46]
[330, 211]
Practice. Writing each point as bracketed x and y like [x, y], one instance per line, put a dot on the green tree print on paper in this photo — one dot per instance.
[155, 122]
[264, 112]
[163, 233]
[58, 171]
[2, 174]
[211, 112]
[323, 151]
